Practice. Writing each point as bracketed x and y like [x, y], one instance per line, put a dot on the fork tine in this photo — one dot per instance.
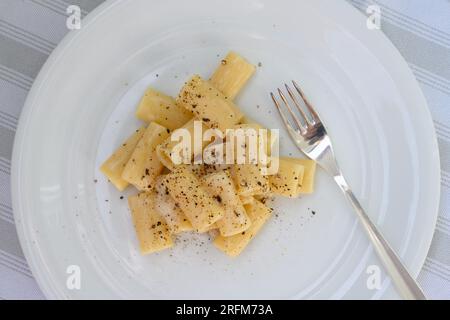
[283, 116]
[308, 105]
[297, 121]
[299, 108]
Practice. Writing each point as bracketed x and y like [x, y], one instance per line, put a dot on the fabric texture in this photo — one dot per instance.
[31, 29]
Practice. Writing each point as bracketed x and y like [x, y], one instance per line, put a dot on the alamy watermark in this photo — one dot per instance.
[73, 280]
[73, 21]
[373, 21]
[373, 281]
[234, 146]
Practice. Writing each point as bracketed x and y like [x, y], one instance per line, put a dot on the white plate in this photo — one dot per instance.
[82, 106]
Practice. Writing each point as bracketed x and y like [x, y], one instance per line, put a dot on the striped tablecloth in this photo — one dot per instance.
[30, 30]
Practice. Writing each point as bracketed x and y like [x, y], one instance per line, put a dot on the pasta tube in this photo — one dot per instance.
[144, 166]
[162, 109]
[232, 74]
[287, 180]
[167, 207]
[113, 167]
[176, 148]
[235, 219]
[205, 169]
[264, 141]
[233, 246]
[152, 232]
[246, 199]
[307, 183]
[200, 208]
[208, 104]
[248, 180]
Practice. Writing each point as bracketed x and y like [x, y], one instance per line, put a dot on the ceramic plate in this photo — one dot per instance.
[82, 105]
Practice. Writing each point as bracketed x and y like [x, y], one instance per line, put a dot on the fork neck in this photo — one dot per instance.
[325, 158]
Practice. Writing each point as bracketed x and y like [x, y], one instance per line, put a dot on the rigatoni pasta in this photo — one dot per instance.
[232, 74]
[201, 208]
[265, 141]
[288, 179]
[174, 217]
[113, 167]
[246, 199]
[152, 232]
[202, 170]
[190, 185]
[307, 184]
[249, 179]
[144, 166]
[208, 104]
[160, 108]
[235, 219]
[233, 246]
[168, 149]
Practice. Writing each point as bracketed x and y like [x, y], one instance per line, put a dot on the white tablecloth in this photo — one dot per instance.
[30, 30]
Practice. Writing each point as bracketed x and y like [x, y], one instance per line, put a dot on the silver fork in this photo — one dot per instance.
[311, 138]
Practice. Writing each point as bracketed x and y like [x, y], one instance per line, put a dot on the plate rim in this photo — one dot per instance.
[63, 45]
[21, 226]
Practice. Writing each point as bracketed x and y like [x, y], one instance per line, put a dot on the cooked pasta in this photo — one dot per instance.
[288, 179]
[144, 166]
[217, 184]
[201, 208]
[233, 245]
[172, 149]
[235, 219]
[232, 74]
[174, 217]
[113, 167]
[152, 232]
[208, 104]
[249, 179]
[307, 183]
[162, 109]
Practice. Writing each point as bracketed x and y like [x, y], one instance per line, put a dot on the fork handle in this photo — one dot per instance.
[404, 282]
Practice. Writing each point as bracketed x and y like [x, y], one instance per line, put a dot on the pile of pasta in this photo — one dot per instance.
[225, 200]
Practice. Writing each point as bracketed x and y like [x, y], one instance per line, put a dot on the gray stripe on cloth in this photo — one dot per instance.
[21, 58]
[420, 51]
[26, 37]
[85, 5]
[6, 142]
[406, 22]
[440, 249]
[10, 242]
[60, 6]
[444, 151]
[52, 6]
[414, 47]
